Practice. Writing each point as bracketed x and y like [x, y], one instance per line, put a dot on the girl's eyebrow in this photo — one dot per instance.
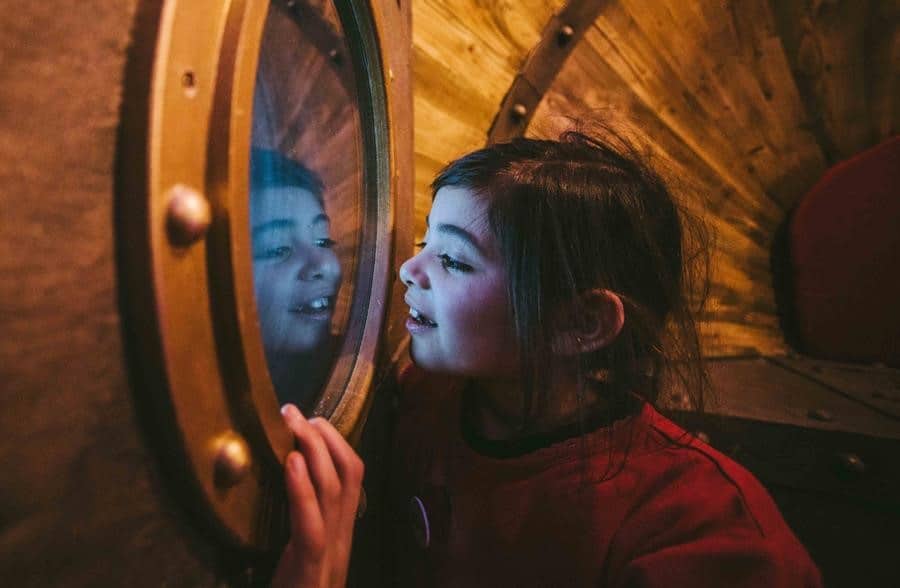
[286, 223]
[462, 234]
[279, 223]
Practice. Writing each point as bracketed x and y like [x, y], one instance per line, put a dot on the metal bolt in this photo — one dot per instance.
[232, 459]
[702, 436]
[519, 111]
[565, 35]
[189, 214]
[820, 414]
[188, 79]
[851, 463]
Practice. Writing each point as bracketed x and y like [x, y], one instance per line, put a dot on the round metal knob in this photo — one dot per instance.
[565, 35]
[232, 460]
[519, 111]
[189, 214]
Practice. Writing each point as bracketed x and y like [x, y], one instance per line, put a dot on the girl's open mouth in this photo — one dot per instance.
[316, 307]
[420, 319]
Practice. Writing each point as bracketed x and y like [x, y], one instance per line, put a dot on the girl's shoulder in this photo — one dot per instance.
[701, 476]
[691, 500]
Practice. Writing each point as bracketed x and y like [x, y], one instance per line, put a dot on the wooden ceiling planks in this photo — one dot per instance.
[465, 55]
[739, 306]
[616, 69]
[723, 91]
[844, 56]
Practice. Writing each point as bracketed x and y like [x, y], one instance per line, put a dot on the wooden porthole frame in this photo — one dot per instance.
[198, 368]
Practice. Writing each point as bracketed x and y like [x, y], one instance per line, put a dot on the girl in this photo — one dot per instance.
[296, 273]
[548, 307]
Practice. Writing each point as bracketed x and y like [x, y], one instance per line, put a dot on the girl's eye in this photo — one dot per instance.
[282, 252]
[421, 245]
[325, 243]
[451, 264]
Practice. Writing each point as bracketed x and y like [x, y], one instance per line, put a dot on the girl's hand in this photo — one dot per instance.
[323, 481]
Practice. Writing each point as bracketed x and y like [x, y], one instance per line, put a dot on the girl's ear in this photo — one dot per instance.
[604, 316]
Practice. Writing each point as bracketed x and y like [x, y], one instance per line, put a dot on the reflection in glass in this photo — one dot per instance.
[296, 273]
[305, 194]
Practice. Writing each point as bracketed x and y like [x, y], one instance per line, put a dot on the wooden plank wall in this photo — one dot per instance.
[465, 56]
[715, 89]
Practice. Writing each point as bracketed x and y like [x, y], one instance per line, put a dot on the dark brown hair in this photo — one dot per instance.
[583, 213]
[271, 169]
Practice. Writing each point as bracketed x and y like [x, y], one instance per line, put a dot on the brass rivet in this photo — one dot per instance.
[820, 414]
[851, 463]
[519, 111]
[232, 459]
[189, 83]
[565, 35]
[189, 214]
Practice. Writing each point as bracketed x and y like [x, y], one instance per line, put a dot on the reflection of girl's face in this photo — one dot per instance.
[296, 274]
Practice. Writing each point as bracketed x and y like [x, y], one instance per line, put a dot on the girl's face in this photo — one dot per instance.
[296, 274]
[456, 289]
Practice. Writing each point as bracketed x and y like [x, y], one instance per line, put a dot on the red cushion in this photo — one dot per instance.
[844, 241]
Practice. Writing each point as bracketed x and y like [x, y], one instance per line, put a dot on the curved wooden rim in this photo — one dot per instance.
[190, 310]
[558, 39]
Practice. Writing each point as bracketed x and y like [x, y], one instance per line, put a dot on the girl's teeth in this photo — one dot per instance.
[319, 303]
[418, 316]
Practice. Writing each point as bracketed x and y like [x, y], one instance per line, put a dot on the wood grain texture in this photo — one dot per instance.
[716, 99]
[739, 313]
[844, 56]
[465, 55]
[81, 499]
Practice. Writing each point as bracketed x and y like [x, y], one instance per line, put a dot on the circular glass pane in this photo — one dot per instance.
[306, 194]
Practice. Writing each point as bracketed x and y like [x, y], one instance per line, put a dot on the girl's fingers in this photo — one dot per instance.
[318, 458]
[323, 482]
[307, 520]
[349, 466]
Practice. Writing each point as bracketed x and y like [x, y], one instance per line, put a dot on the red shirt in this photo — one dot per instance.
[639, 503]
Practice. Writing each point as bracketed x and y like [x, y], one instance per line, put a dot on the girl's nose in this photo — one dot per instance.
[411, 273]
[319, 264]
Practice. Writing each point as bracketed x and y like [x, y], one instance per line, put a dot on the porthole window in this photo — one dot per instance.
[255, 226]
